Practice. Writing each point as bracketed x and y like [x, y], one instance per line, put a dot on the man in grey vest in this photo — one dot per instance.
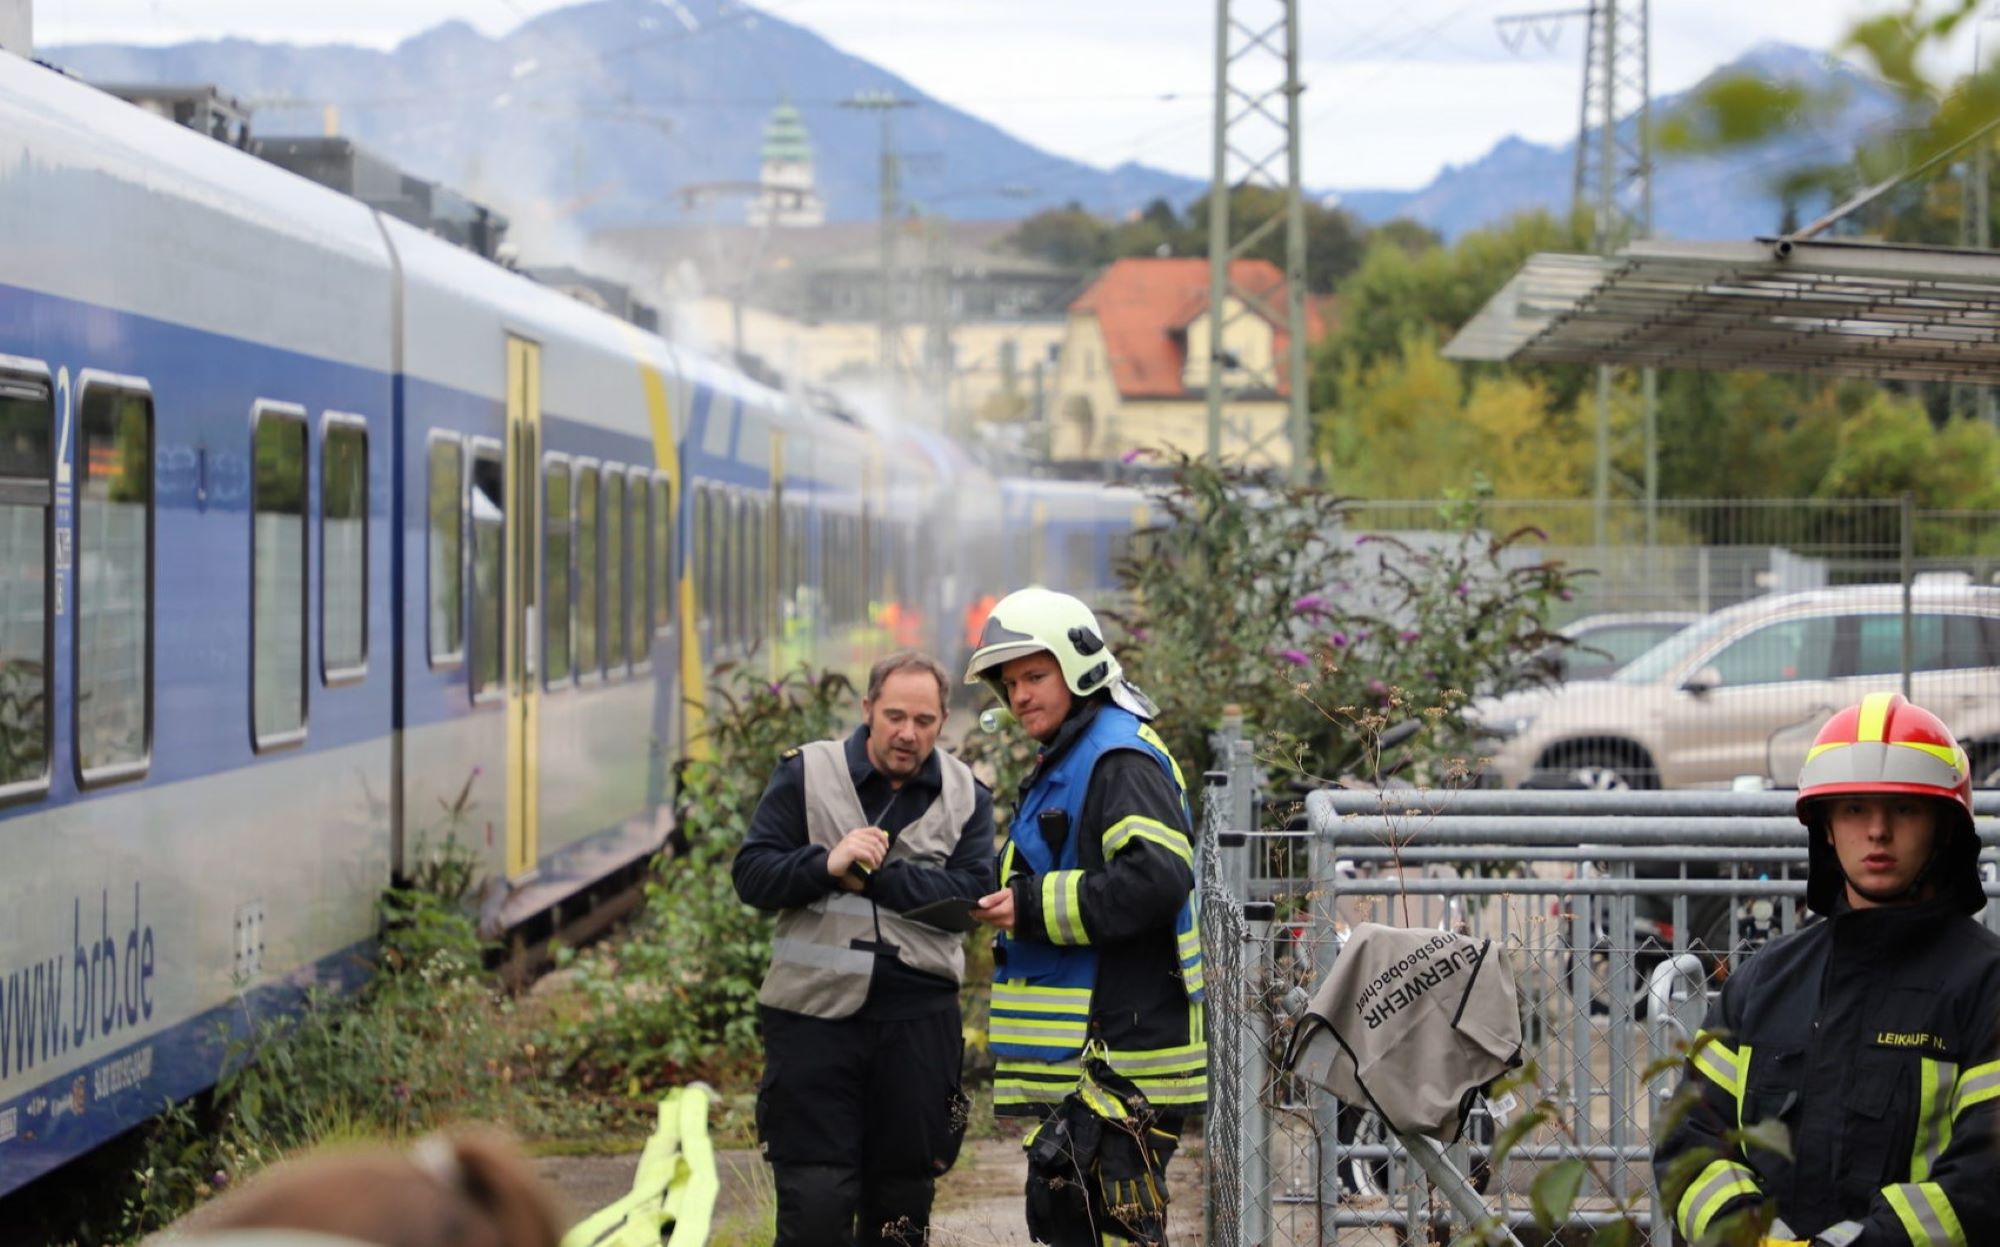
[860, 1107]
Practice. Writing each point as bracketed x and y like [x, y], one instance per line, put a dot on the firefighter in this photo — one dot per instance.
[1873, 1037]
[1097, 982]
[860, 1107]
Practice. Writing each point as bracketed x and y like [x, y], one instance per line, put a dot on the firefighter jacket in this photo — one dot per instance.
[1105, 949]
[1875, 1038]
[838, 954]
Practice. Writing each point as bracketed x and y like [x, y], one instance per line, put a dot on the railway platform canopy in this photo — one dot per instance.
[1831, 307]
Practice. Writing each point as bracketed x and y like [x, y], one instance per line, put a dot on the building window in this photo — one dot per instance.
[278, 577]
[27, 436]
[343, 549]
[447, 564]
[557, 538]
[114, 581]
[486, 503]
[587, 495]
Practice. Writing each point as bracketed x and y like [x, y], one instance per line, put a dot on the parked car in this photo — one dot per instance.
[1600, 645]
[1703, 706]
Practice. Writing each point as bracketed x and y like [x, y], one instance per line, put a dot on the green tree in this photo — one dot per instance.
[1396, 291]
[1068, 236]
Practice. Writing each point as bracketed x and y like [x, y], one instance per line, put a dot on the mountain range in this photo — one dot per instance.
[620, 112]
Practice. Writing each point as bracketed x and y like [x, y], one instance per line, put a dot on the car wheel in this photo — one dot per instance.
[1600, 777]
[1602, 769]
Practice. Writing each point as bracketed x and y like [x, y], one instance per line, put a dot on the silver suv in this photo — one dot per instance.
[1730, 694]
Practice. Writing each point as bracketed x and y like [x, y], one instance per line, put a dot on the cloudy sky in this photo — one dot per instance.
[1396, 89]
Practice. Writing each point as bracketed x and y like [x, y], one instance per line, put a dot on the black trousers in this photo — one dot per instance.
[858, 1118]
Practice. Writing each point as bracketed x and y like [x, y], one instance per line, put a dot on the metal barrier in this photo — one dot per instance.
[1619, 914]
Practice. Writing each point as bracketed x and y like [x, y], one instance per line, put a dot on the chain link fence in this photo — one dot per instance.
[1619, 915]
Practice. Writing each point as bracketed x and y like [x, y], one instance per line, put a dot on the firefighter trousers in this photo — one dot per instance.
[858, 1118]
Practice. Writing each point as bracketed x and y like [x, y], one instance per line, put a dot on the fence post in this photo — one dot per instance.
[1323, 854]
[1253, 1063]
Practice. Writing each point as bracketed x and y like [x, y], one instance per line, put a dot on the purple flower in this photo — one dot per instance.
[1363, 635]
[1462, 589]
[1408, 634]
[1540, 533]
[1295, 657]
[1377, 688]
[1364, 539]
[1141, 635]
[1129, 456]
[777, 687]
[1339, 639]
[1310, 604]
[1566, 595]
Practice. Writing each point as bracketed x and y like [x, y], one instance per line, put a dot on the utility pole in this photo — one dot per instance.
[886, 103]
[1978, 225]
[1257, 145]
[1613, 181]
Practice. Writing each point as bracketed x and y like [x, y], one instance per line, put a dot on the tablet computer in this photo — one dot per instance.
[954, 913]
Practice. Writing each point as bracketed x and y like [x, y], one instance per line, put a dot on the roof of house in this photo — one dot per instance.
[1144, 306]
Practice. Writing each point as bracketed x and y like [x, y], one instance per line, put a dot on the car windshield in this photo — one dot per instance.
[1663, 657]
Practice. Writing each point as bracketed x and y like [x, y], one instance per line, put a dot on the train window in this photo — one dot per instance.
[557, 539]
[613, 515]
[447, 521]
[278, 560]
[1079, 560]
[586, 570]
[343, 549]
[27, 437]
[663, 554]
[114, 579]
[636, 633]
[487, 505]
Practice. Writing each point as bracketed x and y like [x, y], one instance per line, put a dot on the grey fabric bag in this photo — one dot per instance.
[1410, 1022]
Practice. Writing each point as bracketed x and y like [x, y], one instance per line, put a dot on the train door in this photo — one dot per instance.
[522, 554]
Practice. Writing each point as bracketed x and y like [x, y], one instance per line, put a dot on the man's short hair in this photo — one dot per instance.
[908, 660]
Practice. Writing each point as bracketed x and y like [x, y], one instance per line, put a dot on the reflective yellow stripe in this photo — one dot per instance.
[1151, 737]
[1139, 827]
[1976, 1086]
[1023, 999]
[1927, 1216]
[1953, 758]
[1043, 1026]
[1712, 1189]
[1062, 907]
[1874, 722]
[1720, 1063]
[1938, 1081]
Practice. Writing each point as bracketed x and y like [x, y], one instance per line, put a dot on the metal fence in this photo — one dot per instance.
[1619, 914]
[1704, 554]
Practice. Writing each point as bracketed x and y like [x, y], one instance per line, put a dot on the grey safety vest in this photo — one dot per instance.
[815, 967]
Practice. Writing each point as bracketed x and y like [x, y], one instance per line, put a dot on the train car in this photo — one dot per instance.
[1069, 535]
[325, 542]
[197, 650]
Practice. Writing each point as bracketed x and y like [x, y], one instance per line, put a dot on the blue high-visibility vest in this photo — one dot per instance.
[1042, 991]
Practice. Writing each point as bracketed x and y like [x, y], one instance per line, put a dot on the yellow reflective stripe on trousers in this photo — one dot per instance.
[1713, 1188]
[1939, 1083]
[1976, 1085]
[1062, 907]
[1139, 827]
[1927, 1216]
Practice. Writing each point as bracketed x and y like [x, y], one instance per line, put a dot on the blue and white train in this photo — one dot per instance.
[314, 528]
